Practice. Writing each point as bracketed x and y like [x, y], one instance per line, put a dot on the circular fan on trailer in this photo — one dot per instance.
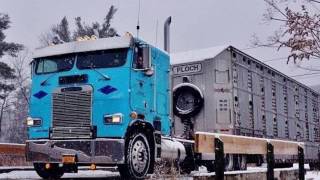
[187, 100]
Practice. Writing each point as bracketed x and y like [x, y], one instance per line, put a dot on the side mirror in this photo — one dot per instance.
[146, 52]
[146, 56]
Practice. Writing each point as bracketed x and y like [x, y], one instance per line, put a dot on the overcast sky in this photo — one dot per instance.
[195, 24]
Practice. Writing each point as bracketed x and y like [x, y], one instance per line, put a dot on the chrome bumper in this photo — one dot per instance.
[100, 151]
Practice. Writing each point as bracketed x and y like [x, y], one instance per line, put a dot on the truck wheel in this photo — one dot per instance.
[138, 158]
[55, 172]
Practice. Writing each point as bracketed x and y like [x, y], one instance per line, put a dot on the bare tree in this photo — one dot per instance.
[299, 28]
[16, 115]
[46, 38]
[4, 106]
[20, 64]
[15, 106]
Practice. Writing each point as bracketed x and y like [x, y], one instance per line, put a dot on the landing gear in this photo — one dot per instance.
[51, 172]
[138, 158]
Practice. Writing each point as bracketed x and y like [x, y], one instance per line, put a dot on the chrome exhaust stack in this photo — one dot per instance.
[167, 34]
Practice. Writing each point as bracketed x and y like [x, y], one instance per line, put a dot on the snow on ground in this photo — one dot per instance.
[106, 174]
[313, 175]
[83, 174]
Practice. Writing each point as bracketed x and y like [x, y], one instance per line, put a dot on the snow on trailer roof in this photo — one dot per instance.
[209, 53]
[197, 55]
[84, 46]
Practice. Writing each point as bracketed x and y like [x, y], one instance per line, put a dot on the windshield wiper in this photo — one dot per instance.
[104, 77]
[59, 70]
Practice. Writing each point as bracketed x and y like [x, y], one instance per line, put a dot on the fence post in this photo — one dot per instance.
[270, 162]
[301, 163]
[219, 159]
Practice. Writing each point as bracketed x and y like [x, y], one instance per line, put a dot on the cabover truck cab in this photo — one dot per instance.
[100, 102]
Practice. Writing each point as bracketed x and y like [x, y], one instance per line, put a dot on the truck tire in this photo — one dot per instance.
[187, 100]
[138, 158]
[55, 172]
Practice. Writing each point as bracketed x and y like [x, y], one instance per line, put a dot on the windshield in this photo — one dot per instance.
[54, 64]
[102, 59]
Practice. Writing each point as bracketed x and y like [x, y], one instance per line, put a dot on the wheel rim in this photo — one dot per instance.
[139, 156]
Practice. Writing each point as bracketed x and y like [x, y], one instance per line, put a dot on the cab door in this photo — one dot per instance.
[142, 83]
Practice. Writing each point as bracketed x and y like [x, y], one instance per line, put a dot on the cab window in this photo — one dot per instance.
[138, 63]
[102, 59]
[54, 64]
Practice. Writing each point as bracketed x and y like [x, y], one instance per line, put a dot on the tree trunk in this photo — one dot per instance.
[1, 112]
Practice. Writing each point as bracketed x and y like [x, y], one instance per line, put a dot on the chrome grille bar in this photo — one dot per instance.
[71, 113]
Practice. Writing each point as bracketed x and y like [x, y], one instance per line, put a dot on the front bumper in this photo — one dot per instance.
[98, 151]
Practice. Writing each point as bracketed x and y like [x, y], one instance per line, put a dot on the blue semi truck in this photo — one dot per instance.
[101, 102]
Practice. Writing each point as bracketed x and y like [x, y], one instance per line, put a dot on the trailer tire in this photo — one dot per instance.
[55, 172]
[138, 158]
[242, 162]
[229, 162]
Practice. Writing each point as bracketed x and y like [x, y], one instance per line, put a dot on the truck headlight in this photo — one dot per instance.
[29, 121]
[113, 118]
[34, 121]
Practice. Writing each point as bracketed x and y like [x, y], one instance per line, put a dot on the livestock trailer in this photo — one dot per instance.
[224, 90]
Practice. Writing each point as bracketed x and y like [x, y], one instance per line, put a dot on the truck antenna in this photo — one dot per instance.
[157, 32]
[138, 23]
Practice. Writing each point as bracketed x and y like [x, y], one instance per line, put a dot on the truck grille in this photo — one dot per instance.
[71, 114]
